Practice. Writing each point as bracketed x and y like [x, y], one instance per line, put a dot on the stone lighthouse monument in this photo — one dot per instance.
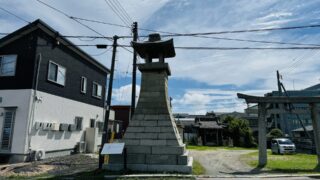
[152, 140]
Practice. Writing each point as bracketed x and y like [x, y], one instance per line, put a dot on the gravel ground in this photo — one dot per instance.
[53, 166]
[223, 162]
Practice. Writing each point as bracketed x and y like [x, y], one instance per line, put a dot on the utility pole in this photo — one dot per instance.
[279, 84]
[108, 103]
[134, 70]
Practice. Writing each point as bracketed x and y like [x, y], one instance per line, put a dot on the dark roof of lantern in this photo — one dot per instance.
[153, 48]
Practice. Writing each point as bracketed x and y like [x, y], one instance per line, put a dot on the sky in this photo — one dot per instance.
[201, 80]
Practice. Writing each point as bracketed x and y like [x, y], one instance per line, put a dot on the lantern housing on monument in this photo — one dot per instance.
[154, 48]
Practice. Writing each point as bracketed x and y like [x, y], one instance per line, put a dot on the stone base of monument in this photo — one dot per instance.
[152, 140]
[159, 168]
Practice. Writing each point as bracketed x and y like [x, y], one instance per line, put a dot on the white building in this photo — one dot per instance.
[51, 95]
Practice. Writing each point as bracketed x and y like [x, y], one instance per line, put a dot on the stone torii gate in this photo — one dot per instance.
[262, 112]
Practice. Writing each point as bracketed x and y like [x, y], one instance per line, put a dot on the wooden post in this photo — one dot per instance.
[262, 134]
[316, 126]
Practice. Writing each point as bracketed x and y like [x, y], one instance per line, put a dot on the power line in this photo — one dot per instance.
[124, 11]
[171, 34]
[15, 15]
[245, 48]
[256, 41]
[116, 11]
[246, 31]
[67, 15]
[57, 10]
[102, 22]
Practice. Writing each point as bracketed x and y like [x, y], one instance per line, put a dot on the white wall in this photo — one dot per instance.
[21, 100]
[53, 108]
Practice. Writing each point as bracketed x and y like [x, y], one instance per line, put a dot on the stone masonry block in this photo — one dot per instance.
[149, 111]
[138, 149]
[183, 159]
[116, 158]
[177, 150]
[152, 129]
[131, 141]
[149, 123]
[136, 158]
[150, 94]
[134, 123]
[173, 143]
[167, 136]
[140, 135]
[151, 117]
[161, 159]
[138, 117]
[166, 129]
[164, 117]
[132, 129]
[153, 142]
[165, 123]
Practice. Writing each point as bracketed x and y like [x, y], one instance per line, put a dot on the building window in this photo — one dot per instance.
[8, 65]
[78, 123]
[100, 126]
[92, 123]
[56, 73]
[7, 130]
[97, 90]
[83, 85]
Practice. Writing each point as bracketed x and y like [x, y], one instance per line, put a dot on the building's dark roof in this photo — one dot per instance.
[313, 88]
[208, 125]
[308, 128]
[38, 24]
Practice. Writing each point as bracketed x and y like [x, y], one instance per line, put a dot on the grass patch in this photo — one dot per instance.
[208, 148]
[291, 163]
[197, 168]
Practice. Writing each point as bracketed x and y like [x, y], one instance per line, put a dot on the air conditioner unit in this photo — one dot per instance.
[37, 125]
[55, 126]
[40, 154]
[72, 127]
[44, 126]
[63, 127]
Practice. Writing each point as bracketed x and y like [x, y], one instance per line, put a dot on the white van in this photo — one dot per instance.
[282, 146]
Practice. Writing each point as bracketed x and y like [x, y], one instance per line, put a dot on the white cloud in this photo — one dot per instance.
[122, 95]
[199, 101]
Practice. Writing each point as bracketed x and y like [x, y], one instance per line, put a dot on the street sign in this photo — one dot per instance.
[112, 148]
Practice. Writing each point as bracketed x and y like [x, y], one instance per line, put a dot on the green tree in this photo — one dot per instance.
[275, 133]
[239, 131]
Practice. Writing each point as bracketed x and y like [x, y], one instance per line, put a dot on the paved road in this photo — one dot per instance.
[226, 164]
[223, 162]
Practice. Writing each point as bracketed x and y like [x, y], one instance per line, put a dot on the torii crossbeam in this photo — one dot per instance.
[262, 111]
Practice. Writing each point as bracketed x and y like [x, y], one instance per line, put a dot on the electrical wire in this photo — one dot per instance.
[171, 34]
[124, 11]
[15, 15]
[71, 17]
[67, 15]
[99, 54]
[244, 48]
[117, 13]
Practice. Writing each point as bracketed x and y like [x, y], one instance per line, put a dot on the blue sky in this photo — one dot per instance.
[201, 81]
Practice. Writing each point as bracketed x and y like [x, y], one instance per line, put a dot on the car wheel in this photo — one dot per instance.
[279, 151]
